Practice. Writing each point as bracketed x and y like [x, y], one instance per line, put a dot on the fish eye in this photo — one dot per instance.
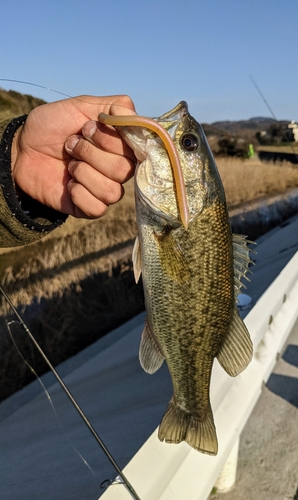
[189, 142]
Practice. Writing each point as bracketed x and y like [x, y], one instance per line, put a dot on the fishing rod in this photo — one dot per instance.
[263, 97]
[71, 398]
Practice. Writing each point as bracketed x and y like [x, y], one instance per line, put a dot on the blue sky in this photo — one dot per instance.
[157, 51]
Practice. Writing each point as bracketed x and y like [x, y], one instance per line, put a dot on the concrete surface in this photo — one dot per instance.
[268, 453]
[38, 460]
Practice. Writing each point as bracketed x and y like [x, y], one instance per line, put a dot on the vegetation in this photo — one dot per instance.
[15, 104]
[277, 133]
[228, 138]
[246, 180]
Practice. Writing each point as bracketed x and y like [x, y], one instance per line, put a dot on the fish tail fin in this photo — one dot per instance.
[178, 425]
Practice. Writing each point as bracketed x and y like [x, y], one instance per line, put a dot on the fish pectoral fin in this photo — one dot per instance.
[179, 425]
[242, 260]
[237, 349]
[137, 259]
[172, 259]
[150, 354]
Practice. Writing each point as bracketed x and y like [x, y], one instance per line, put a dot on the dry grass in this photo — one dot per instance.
[246, 180]
[73, 252]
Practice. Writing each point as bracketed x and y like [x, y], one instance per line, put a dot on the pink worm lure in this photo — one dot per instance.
[142, 121]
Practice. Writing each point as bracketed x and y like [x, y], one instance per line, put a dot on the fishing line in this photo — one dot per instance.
[53, 90]
[71, 398]
[34, 85]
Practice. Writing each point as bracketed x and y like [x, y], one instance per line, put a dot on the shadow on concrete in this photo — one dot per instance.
[285, 387]
[291, 355]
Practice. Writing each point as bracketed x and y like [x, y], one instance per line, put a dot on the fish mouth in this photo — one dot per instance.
[161, 213]
[141, 121]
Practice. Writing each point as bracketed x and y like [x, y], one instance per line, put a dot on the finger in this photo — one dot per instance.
[88, 107]
[107, 138]
[100, 186]
[113, 166]
[119, 109]
[85, 205]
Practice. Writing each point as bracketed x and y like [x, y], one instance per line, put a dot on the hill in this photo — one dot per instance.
[232, 138]
[253, 124]
[15, 104]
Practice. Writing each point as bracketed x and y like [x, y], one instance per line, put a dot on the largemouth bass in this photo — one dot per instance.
[191, 277]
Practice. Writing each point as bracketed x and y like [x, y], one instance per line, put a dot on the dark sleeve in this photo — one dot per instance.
[26, 221]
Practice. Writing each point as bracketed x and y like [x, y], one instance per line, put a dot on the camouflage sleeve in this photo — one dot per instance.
[28, 221]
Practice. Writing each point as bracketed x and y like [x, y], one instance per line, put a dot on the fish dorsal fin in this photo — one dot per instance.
[237, 349]
[137, 259]
[242, 260]
[172, 259]
[150, 354]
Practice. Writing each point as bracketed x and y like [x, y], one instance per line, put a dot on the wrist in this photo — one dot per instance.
[15, 149]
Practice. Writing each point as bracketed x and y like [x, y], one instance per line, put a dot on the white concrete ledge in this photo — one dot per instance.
[161, 471]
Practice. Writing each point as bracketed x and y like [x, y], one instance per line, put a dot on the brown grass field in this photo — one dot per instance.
[246, 180]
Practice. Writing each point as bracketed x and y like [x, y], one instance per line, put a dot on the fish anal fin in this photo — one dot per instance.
[237, 349]
[150, 354]
[137, 259]
[179, 425]
[172, 258]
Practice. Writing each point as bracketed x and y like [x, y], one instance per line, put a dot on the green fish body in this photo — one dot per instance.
[191, 277]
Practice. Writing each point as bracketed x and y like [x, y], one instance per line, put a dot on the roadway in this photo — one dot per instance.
[40, 455]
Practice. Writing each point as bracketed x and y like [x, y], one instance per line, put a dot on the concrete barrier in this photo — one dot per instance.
[259, 216]
[161, 471]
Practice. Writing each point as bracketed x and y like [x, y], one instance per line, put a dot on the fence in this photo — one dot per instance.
[170, 472]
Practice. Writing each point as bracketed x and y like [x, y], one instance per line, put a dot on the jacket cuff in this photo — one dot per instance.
[29, 212]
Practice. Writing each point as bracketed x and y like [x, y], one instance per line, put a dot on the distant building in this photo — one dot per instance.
[294, 126]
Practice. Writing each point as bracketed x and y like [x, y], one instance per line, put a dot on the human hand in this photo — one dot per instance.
[65, 159]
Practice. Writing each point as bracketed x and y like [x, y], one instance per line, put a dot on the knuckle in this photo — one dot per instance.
[114, 193]
[82, 148]
[73, 190]
[95, 212]
[123, 169]
[77, 169]
[85, 209]
[126, 101]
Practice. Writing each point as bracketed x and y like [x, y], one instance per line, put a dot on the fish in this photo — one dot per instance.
[191, 275]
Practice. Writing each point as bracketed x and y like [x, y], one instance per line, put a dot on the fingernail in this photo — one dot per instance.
[71, 142]
[89, 129]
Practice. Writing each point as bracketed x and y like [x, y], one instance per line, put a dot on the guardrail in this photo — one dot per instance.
[161, 471]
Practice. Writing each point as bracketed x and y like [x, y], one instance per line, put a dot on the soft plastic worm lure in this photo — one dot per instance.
[142, 121]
